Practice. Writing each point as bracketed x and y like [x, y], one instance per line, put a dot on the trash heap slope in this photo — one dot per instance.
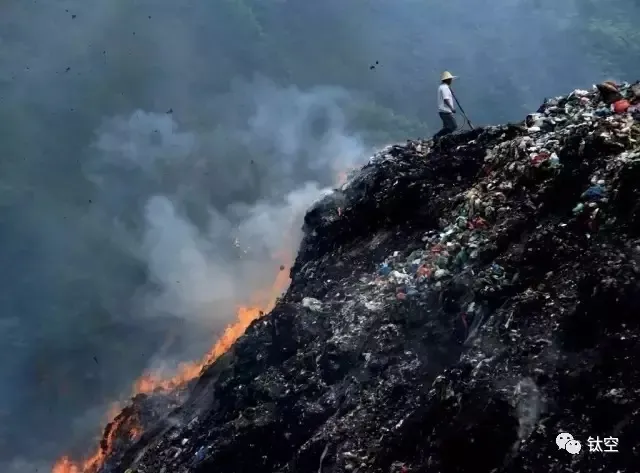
[453, 308]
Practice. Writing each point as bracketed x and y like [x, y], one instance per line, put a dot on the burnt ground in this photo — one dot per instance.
[468, 302]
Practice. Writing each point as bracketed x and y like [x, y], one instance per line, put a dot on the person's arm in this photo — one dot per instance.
[449, 103]
[448, 99]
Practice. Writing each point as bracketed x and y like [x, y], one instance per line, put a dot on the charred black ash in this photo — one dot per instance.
[453, 308]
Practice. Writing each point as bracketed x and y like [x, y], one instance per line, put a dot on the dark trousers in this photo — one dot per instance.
[449, 124]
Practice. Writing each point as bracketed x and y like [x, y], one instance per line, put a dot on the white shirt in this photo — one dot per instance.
[444, 92]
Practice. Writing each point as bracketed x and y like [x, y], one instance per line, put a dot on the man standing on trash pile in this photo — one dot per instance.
[446, 108]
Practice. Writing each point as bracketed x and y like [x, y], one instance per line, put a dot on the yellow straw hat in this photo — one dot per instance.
[447, 75]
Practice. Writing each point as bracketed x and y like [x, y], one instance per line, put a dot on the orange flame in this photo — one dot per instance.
[65, 465]
[245, 315]
[188, 371]
[107, 445]
[262, 303]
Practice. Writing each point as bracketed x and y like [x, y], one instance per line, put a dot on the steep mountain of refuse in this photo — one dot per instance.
[453, 308]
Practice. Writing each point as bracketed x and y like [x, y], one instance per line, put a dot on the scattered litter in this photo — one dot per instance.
[497, 263]
[312, 304]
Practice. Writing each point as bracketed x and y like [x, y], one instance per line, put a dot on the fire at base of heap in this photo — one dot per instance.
[154, 396]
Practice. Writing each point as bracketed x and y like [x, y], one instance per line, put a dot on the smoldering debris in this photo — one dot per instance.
[329, 380]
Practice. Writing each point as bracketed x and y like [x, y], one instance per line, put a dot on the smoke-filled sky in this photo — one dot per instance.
[140, 140]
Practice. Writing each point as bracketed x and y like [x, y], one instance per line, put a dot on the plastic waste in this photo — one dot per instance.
[312, 304]
[457, 242]
[398, 277]
[440, 273]
[384, 269]
[620, 106]
[603, 112]
[538, 159]
[424, 271]
[461, 258]
[200, 454]
[412, 291]
[594, 193]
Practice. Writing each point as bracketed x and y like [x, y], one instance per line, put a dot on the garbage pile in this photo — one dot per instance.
[454, 307]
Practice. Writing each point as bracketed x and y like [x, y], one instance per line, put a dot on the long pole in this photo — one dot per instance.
[462, 110]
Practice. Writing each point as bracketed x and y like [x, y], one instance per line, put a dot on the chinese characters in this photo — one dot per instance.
[610, 444]
[565, 441]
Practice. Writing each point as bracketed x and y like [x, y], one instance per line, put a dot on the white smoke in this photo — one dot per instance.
[204, 257]
[529, 405]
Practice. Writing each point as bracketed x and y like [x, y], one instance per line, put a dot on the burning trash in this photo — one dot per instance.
[470, 295]
[125, 429]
